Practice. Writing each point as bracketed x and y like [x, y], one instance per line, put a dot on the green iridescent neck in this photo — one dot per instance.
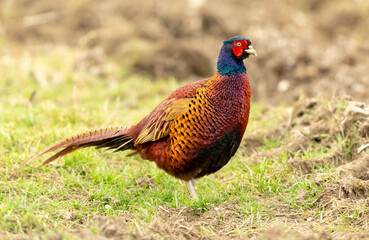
[227, 63]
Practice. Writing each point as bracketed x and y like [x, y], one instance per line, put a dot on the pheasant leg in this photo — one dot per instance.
[191, 188]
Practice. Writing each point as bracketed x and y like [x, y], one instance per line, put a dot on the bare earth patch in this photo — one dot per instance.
[303, 47]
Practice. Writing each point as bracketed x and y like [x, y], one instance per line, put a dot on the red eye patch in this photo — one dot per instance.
[238, 47]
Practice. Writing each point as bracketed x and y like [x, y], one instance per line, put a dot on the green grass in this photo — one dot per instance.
[65, 196]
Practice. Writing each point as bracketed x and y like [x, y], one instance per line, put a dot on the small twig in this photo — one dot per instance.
[265, 223]
[285, 215]
[139, 229]
[160, 207]
[361, 148]
[181, 211]
[227, 233]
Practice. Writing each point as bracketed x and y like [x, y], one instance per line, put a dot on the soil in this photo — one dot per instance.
[310, 47]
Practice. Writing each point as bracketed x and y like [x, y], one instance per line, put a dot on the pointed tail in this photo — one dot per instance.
[111, 138]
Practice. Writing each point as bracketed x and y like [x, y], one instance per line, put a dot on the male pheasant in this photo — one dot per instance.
[192, 133]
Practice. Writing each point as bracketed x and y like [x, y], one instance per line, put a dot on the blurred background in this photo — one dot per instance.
[311, 47]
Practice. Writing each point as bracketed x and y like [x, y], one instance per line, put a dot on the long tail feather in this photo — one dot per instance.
[111, 138]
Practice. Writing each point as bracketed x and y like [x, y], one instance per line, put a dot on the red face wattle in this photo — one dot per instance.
[238, 47]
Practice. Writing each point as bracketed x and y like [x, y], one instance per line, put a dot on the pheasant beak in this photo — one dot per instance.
[251, 51]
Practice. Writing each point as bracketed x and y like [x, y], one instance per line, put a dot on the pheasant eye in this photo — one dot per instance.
[239, 44]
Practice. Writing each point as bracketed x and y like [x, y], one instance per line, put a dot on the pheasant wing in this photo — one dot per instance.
[161, 118]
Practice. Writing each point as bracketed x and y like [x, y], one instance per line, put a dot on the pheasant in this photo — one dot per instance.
[192, 133]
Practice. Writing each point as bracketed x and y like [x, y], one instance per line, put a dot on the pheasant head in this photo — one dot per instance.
[232, 54]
